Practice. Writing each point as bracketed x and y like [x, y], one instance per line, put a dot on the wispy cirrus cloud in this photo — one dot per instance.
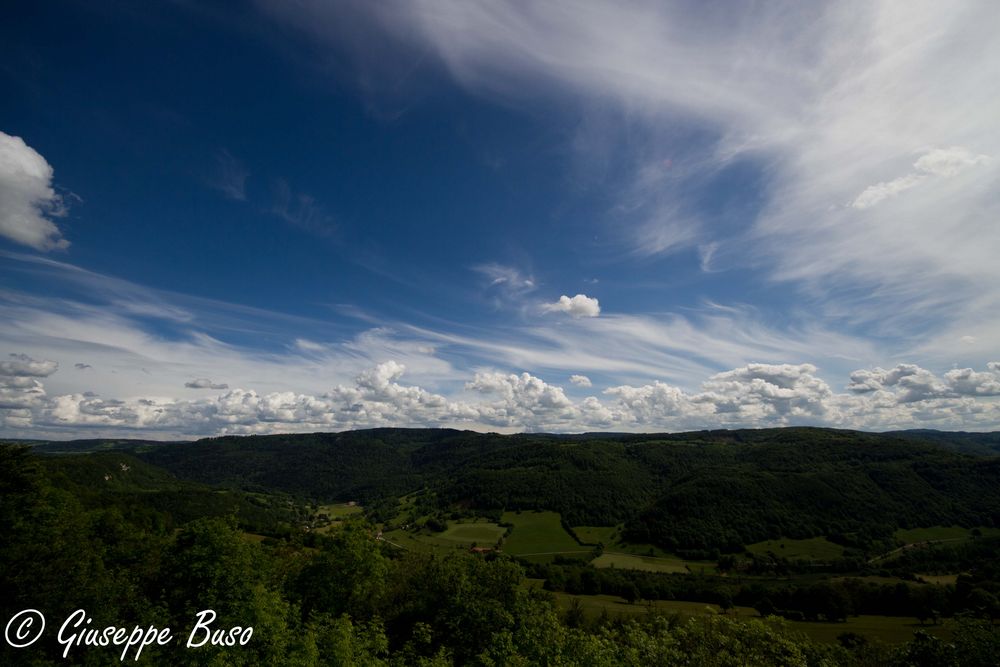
[301, 210]
[649, 372]
[827, 102]
[229, 176]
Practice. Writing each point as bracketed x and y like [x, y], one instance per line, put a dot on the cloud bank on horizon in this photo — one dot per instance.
[754, 395]
[778, 215]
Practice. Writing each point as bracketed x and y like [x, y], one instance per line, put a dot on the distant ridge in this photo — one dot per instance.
[696, 492]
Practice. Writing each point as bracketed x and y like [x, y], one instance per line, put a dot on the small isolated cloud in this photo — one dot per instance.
[580, 380]
[230, 177]
[204, 383]
[27, 200]
[941, 162]
[580, 305]
[81, 367]
[306, 345]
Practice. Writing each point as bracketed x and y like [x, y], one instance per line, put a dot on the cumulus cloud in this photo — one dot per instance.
[21, 365]
[204, 383]
[524, 400]
[580, 305]
[21, 390]
[652, 404]
[911, 383]
[967, 382]
[753, 395]
[27, 200]
[580, 380]
[759, 391]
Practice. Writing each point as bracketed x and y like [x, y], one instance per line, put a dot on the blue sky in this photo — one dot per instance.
[272, 216]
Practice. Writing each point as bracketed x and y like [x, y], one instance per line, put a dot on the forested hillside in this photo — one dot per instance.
[701, 493]
[132, 543]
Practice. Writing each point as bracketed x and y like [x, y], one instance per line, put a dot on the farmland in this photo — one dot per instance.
[813, 549]
[538, 534]
[652, 564]
[942, 534]
[889, 629]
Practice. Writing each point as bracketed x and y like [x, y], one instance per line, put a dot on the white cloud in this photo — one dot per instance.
[790, 393]
[27, 201]
[21, 365]
[666, 371]
[873, 194]
[967, 382]
[941, 162]
[580, 305]
[580, 380]
[949, 161]
[525, 402]
[753, 395]
[821, 100]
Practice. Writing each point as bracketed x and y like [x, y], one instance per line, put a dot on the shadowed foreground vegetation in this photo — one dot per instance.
[142, 534]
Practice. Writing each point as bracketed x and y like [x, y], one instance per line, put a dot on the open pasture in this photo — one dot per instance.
[812, 549]
[538, 533]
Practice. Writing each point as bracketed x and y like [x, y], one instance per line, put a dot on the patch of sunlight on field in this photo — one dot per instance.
[815, 548]
[594, 535]
[538, 533]
[611, 538]
[651, 564]
[339, 510]
[482, 533]
[459, 535]
[937, 533]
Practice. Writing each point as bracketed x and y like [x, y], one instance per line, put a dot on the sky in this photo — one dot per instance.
[271, 216]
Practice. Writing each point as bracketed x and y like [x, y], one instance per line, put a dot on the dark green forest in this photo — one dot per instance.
[700, 493]
[145, 533]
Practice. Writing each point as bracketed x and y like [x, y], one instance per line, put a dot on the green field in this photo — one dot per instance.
[611, 538]
[538, 533]
[816, 549]
[941, 533]
[594, 535]
[459, 535]
[482, 533]
[339, 511]
[889, 629]
[652, 564]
